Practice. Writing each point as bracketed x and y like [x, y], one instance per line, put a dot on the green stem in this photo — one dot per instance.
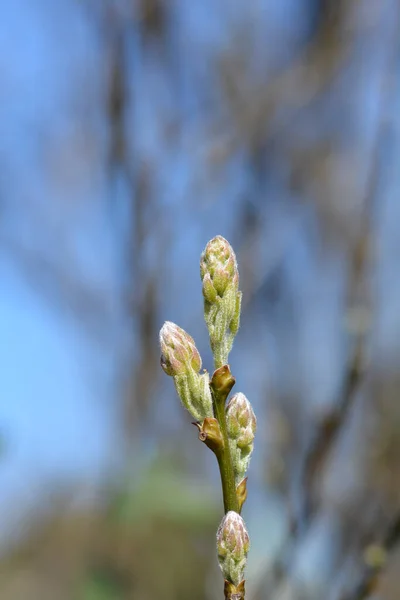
[224, 455]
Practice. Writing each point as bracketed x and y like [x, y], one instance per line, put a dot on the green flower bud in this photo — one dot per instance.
[219, 260]
[181, 360]
[233, 545]
[222, 299]
[241, 425]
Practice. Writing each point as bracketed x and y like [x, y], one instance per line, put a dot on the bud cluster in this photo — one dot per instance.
[233, 545]
[227, 429]
[241, 425]
[222, 298]
[181, 359]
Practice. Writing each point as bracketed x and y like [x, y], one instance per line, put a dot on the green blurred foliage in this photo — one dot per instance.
[153, 539]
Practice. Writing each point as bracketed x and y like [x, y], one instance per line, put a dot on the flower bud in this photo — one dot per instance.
[181, 359]
[219, 261]
[222, 299]
[241, 426]
[178, 350]
[233, 545]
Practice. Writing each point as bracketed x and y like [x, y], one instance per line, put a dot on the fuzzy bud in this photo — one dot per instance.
[222, 298]
[181, 360]
[233, 545]
[178, 350]
[241, 425]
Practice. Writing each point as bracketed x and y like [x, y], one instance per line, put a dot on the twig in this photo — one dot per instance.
[224, 456]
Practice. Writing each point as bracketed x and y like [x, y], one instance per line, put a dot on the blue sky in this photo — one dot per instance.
[57, 407]
[55, 416]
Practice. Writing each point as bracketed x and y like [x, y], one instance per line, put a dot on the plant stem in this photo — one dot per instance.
[224, 455]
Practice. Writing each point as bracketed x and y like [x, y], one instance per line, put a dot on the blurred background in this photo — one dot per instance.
[131, 132]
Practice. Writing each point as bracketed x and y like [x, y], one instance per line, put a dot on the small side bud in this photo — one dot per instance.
[233, 545]
[220, 277]
[234, 592]
[241, 425]
[210, 434]
[181, 360]
[241, 493]
[222, 381]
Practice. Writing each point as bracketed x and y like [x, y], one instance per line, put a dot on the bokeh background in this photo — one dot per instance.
[131, 132]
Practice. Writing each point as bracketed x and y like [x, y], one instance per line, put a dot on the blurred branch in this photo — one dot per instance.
[359, 315]
[331, 425]
[370, 578]
[141, 290]
[152, 16]
[359, 309]
[293, 87]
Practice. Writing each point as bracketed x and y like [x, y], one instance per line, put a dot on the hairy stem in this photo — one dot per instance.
[218, 356]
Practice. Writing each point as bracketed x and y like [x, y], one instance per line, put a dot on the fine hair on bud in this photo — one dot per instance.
[222, 298]
[241, 425]
[178, 350]
[233, 545]
[181, 360]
